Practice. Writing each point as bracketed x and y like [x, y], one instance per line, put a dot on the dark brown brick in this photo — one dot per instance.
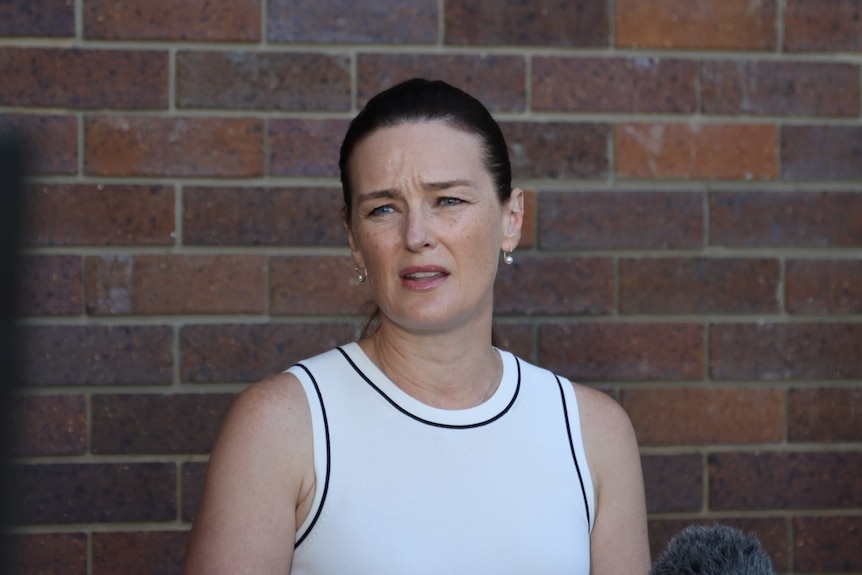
[816, 286]
[97, 355]
[315, 285]
[696, 151]
[699, 285]
[827, 544]
[37, 18]
[300, 147]
[786, 351]
[497, 80]
[817, 26]
[619, 220]
[50, 285]
[629, 85]
[175, 284]
[263, 81]
[771, 532]
[174, 146]
[99, 215]
[49, 425]
[692, 416]
[555, 285]
[698, 24]
[250, 352]
[51, 142]
[84, 79]
[344, 21]
[192, 20]
[623, 351]
[263, 216]
[780, 88]
[557, 149]
[515, 337]
[192, 476]
[89, 493]
[139, 553]
[528, 229]
[786, 219]
[825, 415]
[749, 481]
[156, 424]
[47, 554]
[522, 22]
[821, 153]
[673, 483]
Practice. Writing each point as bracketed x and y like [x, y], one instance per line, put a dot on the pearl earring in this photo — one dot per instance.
[361, 275]
[507, 258]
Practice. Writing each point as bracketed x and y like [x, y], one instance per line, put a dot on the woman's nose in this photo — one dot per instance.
[419, 230]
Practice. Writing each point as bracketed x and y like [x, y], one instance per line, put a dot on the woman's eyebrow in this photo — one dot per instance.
[445, 185]
[375, 195]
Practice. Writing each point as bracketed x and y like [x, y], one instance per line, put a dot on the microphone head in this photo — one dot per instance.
[713, 550]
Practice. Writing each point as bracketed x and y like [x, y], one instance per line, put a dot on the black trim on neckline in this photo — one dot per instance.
[434, 423]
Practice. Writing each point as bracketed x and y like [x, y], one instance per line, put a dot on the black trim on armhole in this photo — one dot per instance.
[572, 447]
[328, 456]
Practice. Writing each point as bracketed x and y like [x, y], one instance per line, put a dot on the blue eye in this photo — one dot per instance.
[449, 201]
[380, 210]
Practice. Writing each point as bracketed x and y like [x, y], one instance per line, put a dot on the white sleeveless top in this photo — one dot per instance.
[404, 488]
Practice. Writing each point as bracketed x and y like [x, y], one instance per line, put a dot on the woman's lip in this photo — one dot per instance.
[423, 277]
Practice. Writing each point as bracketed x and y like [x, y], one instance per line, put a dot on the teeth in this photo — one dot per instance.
[422, 275]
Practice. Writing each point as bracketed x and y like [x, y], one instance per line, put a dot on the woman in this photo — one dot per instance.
[422, 448]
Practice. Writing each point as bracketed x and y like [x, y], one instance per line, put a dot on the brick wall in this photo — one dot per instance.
[693, 241]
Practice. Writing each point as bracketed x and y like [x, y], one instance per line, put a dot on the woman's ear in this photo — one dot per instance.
[513, 220]
[354, 249]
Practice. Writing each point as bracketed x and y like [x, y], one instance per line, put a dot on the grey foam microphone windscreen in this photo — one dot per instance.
[713, 550]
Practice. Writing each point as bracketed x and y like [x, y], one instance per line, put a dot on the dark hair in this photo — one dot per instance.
[415, 101]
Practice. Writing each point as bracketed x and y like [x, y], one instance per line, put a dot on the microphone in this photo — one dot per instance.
[713, 550]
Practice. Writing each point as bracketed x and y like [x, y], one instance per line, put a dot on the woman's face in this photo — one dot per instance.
[427, 225]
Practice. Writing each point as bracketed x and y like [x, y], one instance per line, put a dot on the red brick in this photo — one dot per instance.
[823, 26]
[37, 18]
[699, 285]
[527, 22]
[697, 24]
[780, 88]
[263, 81]
[696, 416]
[174, 146]
[821, 152]
[515, 337]
[528, 229]
[343, 21]
[51, 141]
[785, 219]
[84, 79]
[749, 481]
[192, 20]
[825, 415]
[97, 355]
[93, 493]
[156, 424]
[250, 352]
[47, 554]
[623, 351]
[786, 351]
[50, 285]
[696, 151]
[555, 285]
[557, 149]
[175, 284]
[99, 215]
[192, 477]
[315, 285]
[619, 220]
[497, 80]
[827, 544]
[263, 216]
[139, 553]
[629, 85]
[49, 425]
[816, 286]
[673, 483]
[770, 531]
[300, 147]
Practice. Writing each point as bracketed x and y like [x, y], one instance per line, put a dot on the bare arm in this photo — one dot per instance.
[619, 543]
[260, 474]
